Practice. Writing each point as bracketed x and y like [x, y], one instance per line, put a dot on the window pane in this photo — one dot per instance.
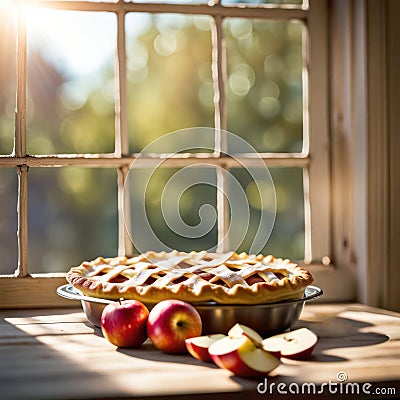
[264, 86]
[169, 75]
[173, 208]
[70, 82]
[96, 1]
[287, 238]
[7, 80]
[8, 220]
[169, 1]
[72, 216]
[235, 2]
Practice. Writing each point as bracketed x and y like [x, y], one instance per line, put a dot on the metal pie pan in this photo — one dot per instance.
[267, 319]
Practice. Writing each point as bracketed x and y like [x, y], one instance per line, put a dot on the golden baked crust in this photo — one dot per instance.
[192, 277]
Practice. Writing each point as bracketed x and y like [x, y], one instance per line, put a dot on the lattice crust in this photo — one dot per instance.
[193, 277]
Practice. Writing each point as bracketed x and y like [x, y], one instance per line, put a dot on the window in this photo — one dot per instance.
[258, 69]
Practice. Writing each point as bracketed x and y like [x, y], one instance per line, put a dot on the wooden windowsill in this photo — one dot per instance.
[56, 354]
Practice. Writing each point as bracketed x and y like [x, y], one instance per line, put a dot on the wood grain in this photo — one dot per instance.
[56, 354]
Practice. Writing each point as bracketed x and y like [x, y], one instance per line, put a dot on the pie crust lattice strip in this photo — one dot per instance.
[228, 278]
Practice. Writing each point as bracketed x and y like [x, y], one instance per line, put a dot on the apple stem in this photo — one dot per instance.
[120, 301]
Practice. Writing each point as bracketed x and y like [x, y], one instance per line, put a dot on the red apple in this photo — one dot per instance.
[124, 323]
[241, 356]
[170, 323]
[198, 346]
[297, 344]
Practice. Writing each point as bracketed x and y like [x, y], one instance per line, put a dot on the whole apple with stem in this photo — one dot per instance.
[123, 323]
[170, 322]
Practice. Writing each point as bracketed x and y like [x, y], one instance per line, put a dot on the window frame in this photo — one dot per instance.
[36, 290]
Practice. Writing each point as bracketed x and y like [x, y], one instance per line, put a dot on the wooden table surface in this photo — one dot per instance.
[55, 354]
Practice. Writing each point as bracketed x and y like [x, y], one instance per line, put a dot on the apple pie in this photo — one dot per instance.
[194, 277]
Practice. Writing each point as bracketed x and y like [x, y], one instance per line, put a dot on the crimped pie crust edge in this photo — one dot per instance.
[292, 287]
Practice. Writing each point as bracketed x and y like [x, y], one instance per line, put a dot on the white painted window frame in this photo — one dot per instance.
[23, 289]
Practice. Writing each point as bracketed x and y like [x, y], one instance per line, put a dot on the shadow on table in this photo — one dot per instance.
[148, 352]
[33, 369]
[339, 332]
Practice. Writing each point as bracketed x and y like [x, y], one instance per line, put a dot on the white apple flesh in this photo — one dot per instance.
[198, 346]
[242, 357]
[297, 344]
[170, 323]
[239, 330]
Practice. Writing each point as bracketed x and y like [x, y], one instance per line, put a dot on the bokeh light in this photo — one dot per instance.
[8, 220]
[70, 77]
[7, 80]
[169, 77]
[287, 238]
[264, 91]
[72, 216]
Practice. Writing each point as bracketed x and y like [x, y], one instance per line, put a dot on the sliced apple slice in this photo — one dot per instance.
[240, 356]
[198, 346]
[239, 330]
[297, 344]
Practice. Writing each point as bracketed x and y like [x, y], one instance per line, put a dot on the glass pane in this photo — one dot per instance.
[233, 2]
[7, 80]
[287, 237]
[173, 208]
[8, 220]
[70, 81]
[264, 85]
[169, 1]
[72, 217]
[169, 75]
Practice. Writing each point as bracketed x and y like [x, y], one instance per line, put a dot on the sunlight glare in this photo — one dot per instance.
[71, 39]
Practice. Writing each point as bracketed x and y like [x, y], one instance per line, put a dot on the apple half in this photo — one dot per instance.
[242, 357]
[297, 344]
[198, 346]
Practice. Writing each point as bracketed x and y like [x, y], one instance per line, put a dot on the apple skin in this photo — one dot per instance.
[233, 360]
[170, 322]
[124, 323]
[304, 355]
[200, 350]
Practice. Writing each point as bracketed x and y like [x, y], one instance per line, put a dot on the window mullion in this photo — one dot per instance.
[121, 120]
[121, 134]
[124, 220]
[218, 73]
[20, 113]
[220, 123]
[317, 176]
[20, 148]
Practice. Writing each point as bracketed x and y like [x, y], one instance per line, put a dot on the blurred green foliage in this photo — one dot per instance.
[264, 90]
[73, 211]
